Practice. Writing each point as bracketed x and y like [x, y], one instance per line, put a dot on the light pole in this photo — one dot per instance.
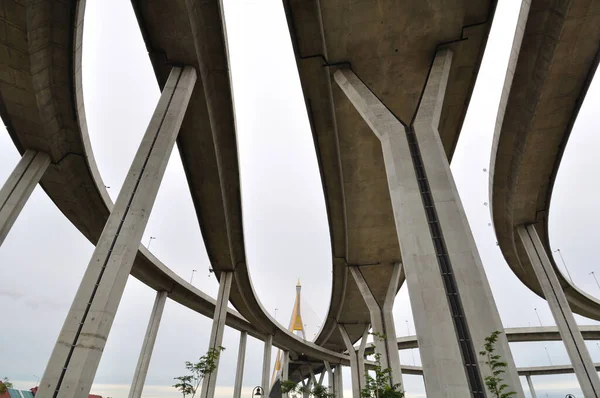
[257, 391]
[594, 275]
[564, 264]
[538, 316]
[192, 278]
[411, 350]
[150, 241]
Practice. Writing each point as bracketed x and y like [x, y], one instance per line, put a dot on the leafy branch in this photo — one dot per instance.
[296, 391]
[495, 383]
[5, 384]
[188, 384]
[381, 385]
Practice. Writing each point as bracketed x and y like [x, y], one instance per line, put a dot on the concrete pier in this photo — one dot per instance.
[74, 360]
[451, 299]
[216, 335]
[338, 382]
[266, 370]
[285, 369]
[141, 370]
[18, 188]
[241, 360]
[563, 316]
[357, 360]
[382, 321]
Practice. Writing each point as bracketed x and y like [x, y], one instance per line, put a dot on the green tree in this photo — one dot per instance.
[296, 391]
[494, 383]
[188, 384]
[5, 385]
[380, 386]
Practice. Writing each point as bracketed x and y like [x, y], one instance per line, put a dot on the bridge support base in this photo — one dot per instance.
[451, 299]
[338, 382]
[74, 360]
[563, 316]
[382, 321]
[357, 361]
[141, 370]
[18, 188]
[241, 360]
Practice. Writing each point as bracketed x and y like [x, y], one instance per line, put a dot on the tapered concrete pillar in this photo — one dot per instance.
[216, 335]
[74, 360]
[141, 370]
[239, 373]
[19, 186]
[563, 316]
[357, 360]
[266, 371]
[531, 388]
[285, 369]
[451, 299]
[382, 321]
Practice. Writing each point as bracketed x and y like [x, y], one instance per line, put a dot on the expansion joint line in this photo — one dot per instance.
[113, 243]
[562, 312]
[456, 309]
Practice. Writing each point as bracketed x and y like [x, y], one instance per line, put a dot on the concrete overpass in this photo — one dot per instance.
[42, 106]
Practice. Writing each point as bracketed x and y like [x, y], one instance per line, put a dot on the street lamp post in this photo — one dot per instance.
[150, 241]
[257, 392]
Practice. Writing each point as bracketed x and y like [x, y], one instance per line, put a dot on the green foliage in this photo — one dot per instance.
[288, 386]
[188, 385]
[294, 390]
[5, 385]
[495, 383]
[380, 385]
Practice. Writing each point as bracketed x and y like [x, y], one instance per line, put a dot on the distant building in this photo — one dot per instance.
[12, 393]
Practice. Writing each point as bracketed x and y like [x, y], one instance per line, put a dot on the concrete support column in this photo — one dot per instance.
[74, 360]
[266, 371]
[141, 370]
[530, 384]
[239, 373]
[357, 360]
[382, 321]
[338, 382]
[19, 186]
[563, 316]
[329, 377]
[451, 299]
[216, 335]
[285, 369]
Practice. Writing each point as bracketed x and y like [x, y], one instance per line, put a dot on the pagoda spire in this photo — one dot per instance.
[296, 325]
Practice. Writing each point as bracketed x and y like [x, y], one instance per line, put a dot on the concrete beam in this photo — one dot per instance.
[266, 370]
[563, 316]
[74, 360]
[357, 360]
[18, 188]
[382, 321]
[451, 299]
[239, 373]
[216, 335]
[141, 370]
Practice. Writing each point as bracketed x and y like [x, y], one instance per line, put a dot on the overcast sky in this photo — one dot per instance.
[44, 257]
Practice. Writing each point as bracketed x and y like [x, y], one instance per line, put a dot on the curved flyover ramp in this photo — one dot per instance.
[41, 103]
[552, 72]
[390, 47]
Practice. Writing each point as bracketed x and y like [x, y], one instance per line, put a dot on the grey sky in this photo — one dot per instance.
[44, 256]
